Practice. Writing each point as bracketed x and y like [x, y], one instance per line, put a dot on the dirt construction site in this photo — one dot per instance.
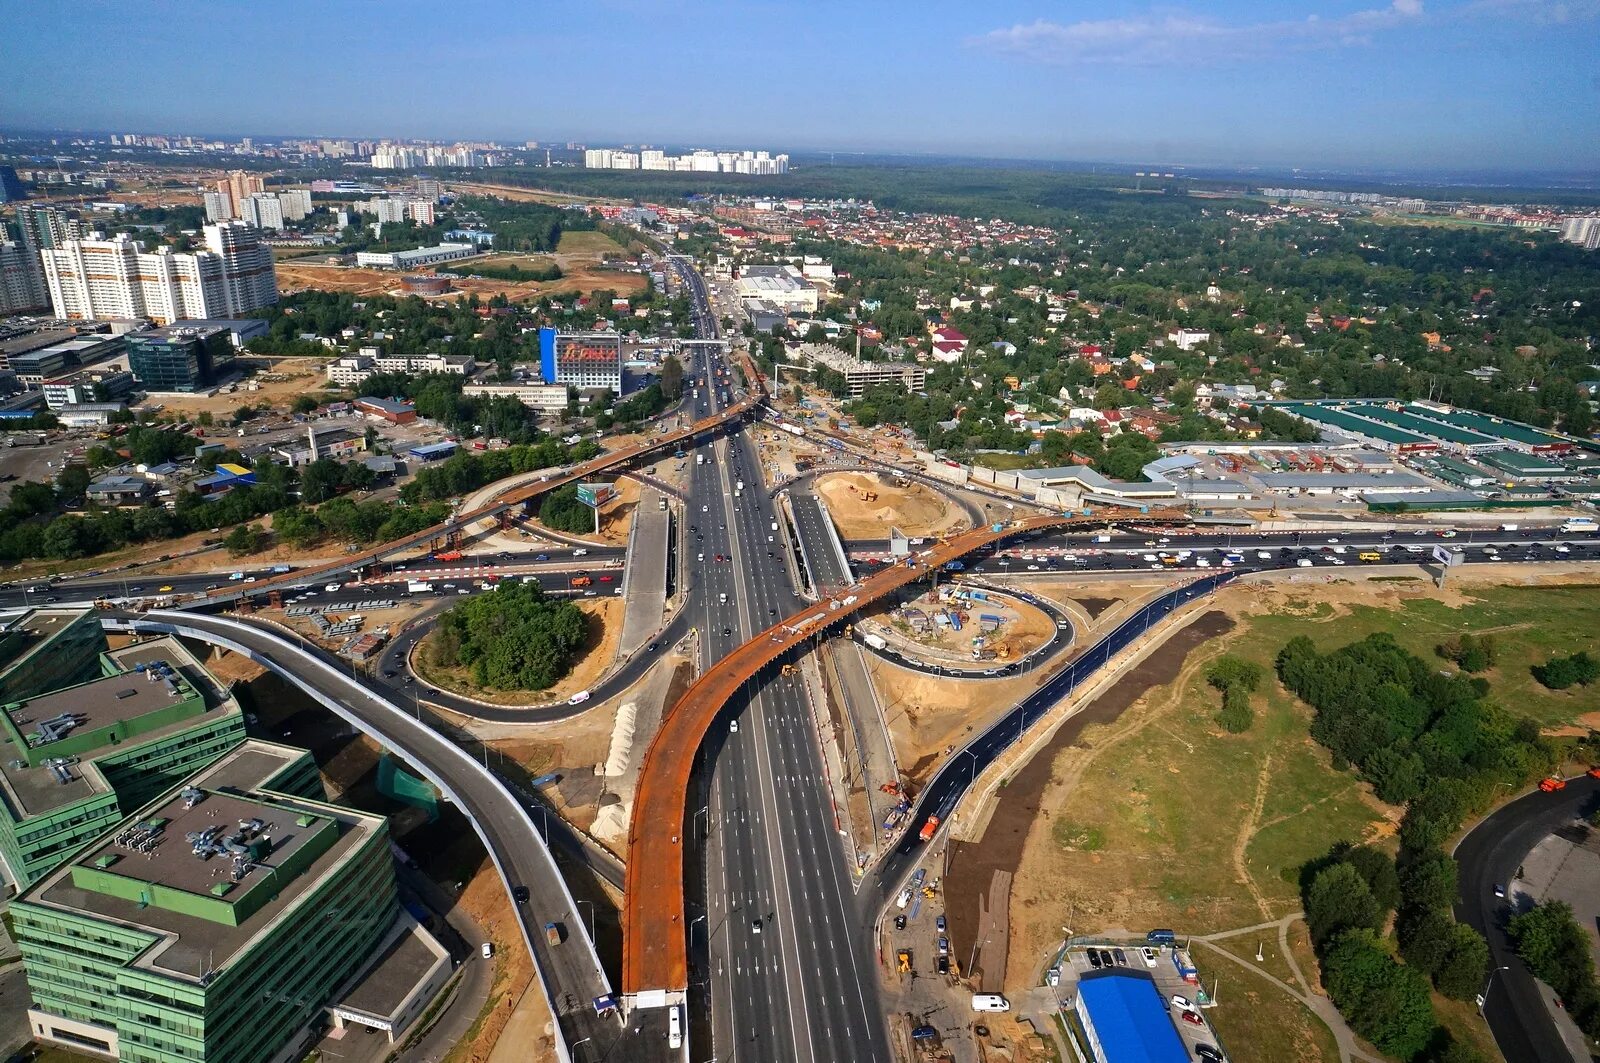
[866, 505]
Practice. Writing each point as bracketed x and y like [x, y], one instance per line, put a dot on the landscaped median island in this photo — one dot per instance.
[512, 638]
[1156, 815]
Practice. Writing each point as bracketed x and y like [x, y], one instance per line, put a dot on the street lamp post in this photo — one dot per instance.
[591, 917]
[1488, 984]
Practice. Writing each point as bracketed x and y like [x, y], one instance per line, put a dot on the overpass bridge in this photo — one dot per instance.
[450, 531]
[655, 947]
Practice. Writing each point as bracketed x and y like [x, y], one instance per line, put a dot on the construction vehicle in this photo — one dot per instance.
[552, 934]
[1552, 784]
[932, 826]
[903, 957]
[890, 788]
[581, 581]
[786, 671]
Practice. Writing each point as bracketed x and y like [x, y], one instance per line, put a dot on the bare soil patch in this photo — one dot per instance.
[915, 508]
[972, 864]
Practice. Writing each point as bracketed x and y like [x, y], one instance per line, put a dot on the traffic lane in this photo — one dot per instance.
[1488, 857]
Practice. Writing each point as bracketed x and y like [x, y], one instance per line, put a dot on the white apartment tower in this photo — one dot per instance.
[116, 278]
[218, 207]
[263, 210]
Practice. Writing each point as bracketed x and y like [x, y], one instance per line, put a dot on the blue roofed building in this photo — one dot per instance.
[1124, 1018]
[434, 451]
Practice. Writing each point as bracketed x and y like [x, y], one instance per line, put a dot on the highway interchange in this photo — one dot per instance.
[781, 938]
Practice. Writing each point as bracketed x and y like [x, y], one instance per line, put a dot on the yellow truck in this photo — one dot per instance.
[1370, 555]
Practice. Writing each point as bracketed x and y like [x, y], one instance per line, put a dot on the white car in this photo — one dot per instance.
[733, 726]
[1149, 956]
[488, 950]
[904, 898]
[1181, 1002]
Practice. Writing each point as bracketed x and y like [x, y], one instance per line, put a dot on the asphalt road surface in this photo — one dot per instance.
[1488, 857]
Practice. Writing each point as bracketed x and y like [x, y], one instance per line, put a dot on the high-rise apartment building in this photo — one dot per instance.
[21, 279]
[296, 203]
[47, 227]
[218, 206]
[421, 211]
[239, 186]
[263, 210]
[116, 278]
[387, 210]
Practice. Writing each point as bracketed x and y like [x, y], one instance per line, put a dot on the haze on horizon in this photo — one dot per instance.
[1420, 84]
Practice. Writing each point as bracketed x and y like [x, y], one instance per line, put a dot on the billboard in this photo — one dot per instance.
[596, 495]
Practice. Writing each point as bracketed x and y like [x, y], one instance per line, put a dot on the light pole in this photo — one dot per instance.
[1488, 984]
[591, 917]
[705, 810]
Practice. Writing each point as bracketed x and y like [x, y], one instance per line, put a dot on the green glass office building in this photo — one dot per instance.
[180, 357]
[89, 734]
[215, 923]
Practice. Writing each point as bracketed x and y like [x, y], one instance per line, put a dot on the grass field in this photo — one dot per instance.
[1162, 819]
[587, 242]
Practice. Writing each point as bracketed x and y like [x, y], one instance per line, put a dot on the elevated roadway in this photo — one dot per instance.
[654, 931]
[571, 974]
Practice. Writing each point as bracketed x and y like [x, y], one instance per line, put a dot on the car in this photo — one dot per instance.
[1094, 958]
[727, 631]
[1192, 1019]
[705, 509]
[488, 950]
[939, 924]
[541, 557]
[165, 588]
[1500, 891]
[652, 647]
[606, 579]
[755, 926]
[899, 922]
[1148, 955]
[520, 894]
[1209, 1053]
[733, 726]
[389, 673]
[1122, 957]
[904, 898]
[1181, 1002]
[944, 946]
[942, 965]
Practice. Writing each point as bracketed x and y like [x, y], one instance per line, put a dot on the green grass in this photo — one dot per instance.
[1005, 462]
[1259, 1023]
[1078, 838]
[587, 242]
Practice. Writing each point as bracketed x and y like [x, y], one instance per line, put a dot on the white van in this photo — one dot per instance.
[990, 1002]
[579, 698]
[674, 1028]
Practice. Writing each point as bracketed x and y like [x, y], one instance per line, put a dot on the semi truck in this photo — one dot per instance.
[1578, 524]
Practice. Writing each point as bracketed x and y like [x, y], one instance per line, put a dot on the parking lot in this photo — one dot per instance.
[1166, 966]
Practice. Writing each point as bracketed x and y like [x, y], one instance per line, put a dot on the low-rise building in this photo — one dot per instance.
[96, 384]
[88, 414]
[860, 375]
[782, 286]
[415, 258]
[89, 731]
[118, 491]
[386, 409]
[218, 921]
[545, 397]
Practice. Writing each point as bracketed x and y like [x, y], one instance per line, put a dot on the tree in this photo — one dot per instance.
[320, 480]
[1384, 1001]
[671, 377]
[64, 538]
[1461, 975]
[514, 638]
[304, 404]
[1428, 880]
[562, 511]
[1339, 900]
[244, 539]
[1379, 873]
[1426, 936]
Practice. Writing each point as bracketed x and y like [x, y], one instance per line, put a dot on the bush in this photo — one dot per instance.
[1236, 715]
[1559, 673]
[1473, 653]
[1237, 679]
[562, 511]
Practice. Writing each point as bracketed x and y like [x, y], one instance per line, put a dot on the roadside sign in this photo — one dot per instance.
[1447, 556]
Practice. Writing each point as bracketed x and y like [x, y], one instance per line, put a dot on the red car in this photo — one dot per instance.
[1594, 772]
[1192, 1019]
[605, 579]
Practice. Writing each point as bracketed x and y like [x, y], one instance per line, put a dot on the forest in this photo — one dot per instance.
[1435, 743]
[512, 638]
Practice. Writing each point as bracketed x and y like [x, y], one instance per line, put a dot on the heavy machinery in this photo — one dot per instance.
[903, 957]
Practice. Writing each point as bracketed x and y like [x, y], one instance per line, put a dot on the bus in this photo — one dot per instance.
[674, 1028]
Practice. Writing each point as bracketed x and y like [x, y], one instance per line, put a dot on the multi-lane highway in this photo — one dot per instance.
[787, 978]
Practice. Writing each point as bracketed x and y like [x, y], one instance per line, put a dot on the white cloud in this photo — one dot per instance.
[1168, 37]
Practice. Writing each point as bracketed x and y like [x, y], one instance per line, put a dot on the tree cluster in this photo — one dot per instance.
[1559, 673]
[1471, 653]
[562, 511]
[1434, 743]
[1555, 947]
[513, 638]
[1237, 678]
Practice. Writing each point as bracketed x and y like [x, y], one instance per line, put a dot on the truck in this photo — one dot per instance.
[699, 459]
[581, 581]
[418, 586]
[1578, 524]
[877, 642]
[1369, 555]
[552, 934]
[929, 829]
[447, 555]
[792, 429]
[278, 570]
[1510, 527]
[661, 502]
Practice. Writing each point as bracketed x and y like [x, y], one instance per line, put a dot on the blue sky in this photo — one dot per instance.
[1479, 84]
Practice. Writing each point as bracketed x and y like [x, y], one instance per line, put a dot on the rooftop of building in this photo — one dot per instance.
[35, 790]
[383, 988]
[1129, 1019]
[146, 874]
[183, 331]
[386, 405]
[1340, 480]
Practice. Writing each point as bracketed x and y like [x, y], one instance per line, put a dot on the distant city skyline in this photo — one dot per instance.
[1441, 84]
